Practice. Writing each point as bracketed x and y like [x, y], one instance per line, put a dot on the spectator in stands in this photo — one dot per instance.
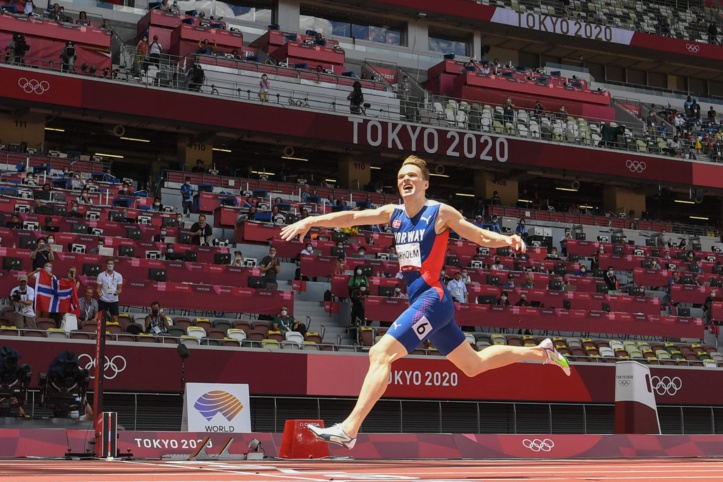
[77, 182]
[479, 221]
[458, 289]
[285, 322]
[650, 123]
[201, 232]
[101, 244]
[109, 287]
[339, 265]
[264, 88]
[712, 114]
[48, 225]
[502, 300]
[196, 76]
[28, 7]
[563, 242]
[399, 291]
[552, 254]
[464, 276]
[485, 68]
[72, 276]
[695, 110]
[404, 89]
[497, 264]
[139, 59]
[277, 216]
[156, 320]
[529, 282]
[251, 215]
[611, 281]
[199, 167]
[74, 213]
[42, 254]
[508, 110]
[582, 271]
[496, 66]
[673, 147]
[308, 250]
[88, 306]
[319, 40]
[126, 189]
[270, 267]
[238, 259]
[687, 106]
[494, 224]
[83, 18]
[510, 282]
[539, 109]
[708, 305]
[23, 298]
[712, 33]
[523, 300]
[161, 236]
[29, 179]
[204, 46]
[356, 98]
[157, 206]
[357, 303]
[521, 229]
[361, 252]
[14, 223]
[106, 25]
[495, 200]
[84, 197]
[51, 241]
[187, 197]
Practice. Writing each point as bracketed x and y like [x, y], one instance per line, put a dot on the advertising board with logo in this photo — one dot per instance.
[216, 407]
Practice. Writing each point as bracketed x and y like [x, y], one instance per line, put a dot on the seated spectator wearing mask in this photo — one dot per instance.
[611, 281]
[284, 322]
[161, 236]
[157, 206]
[502, 300]
[399, 292]
[74, 211]
[582, 271]
[521, 229]
[238, 259]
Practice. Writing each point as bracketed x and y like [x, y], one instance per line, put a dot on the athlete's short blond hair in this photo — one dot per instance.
[418, 162]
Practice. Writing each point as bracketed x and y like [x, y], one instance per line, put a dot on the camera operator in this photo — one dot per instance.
[42, 254]
[16, 49]
[156, 321]
[23, 297]
[68, 57]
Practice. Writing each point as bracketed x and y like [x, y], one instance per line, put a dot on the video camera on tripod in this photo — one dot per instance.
[63, 388]
[14, 380]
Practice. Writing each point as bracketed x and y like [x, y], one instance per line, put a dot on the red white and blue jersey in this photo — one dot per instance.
[420, 249]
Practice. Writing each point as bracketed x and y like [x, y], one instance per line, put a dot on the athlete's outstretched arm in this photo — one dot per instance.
[342, 219]
[454, 220]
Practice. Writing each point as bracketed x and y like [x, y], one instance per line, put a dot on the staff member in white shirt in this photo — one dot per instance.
[154, 52]
[110, 286]
[458, 289]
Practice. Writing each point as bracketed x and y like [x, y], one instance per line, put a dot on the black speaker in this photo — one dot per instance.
[134, 233]
[617, 240]
[184, 237]
[257, 282]
[91, 270]
[25, 242]
[655, 253]
[560, 269]
[493, 280]
[155, 274]
[191, 256]
[602, 288]
[555, 285]
[127, 251]
[452, 261]
[60, 209]
[646, 263]
[12, 264]
[79, 228]
[222, 258]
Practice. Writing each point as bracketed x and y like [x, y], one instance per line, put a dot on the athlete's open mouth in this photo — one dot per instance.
[407, 188]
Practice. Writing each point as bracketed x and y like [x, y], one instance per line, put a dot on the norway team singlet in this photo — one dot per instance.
[421, 252]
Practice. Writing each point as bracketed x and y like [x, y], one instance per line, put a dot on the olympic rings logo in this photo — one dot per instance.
[624, 383]
[692, 48]
[111, 369]
[666, 385]
[635, 166]
[537, 445]
[33, 86]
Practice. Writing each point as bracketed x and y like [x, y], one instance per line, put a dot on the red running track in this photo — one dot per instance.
[689, 469]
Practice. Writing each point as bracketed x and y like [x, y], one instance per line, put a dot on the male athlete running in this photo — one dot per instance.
[421, 230]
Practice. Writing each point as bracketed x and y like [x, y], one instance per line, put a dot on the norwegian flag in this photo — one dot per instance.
[397, 223]
[55, 296]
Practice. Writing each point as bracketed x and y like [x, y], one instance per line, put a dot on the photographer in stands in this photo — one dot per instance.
[17, 48]
[156, 320]
[42, 254]
[23, 297]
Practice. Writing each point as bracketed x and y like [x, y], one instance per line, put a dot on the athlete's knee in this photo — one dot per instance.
[381, 353]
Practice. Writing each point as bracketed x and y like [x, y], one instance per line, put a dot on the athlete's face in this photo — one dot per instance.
[410, 182]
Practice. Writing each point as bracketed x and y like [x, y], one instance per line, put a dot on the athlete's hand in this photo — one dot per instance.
[517, 245]
[301, 227]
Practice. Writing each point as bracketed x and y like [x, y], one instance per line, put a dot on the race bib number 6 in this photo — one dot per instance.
[422, 328]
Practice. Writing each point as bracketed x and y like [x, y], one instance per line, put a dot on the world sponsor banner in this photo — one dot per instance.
[562, 26]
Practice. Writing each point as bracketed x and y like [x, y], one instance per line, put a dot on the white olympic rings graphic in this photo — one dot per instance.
[624, 383]
[635, 166]
[666, 385]
[537, 445]
[33, 86]
[116, 365]
[692, 48]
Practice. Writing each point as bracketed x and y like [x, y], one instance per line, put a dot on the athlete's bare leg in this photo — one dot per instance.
[381, 356]
[472, 363]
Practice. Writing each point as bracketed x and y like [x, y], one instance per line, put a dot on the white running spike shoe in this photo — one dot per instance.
[554, 357]
[333, 435]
